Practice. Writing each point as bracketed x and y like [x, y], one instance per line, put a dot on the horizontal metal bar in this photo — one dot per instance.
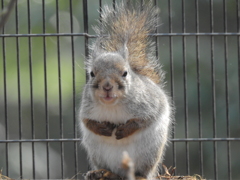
[48, 34]
[94, 36]
[76, 140]
[204, 139]
[39, 140]
[197, 34]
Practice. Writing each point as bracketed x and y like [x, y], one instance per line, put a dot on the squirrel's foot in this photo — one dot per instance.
[140, 178]
[101, 174]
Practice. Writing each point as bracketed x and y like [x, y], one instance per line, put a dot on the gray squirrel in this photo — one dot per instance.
[124, 106]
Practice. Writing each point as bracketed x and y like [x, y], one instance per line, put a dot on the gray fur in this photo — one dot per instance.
[142, 99]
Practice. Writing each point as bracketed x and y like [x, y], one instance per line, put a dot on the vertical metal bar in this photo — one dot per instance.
[238, 46]
[226, 88]
[5, 95]
[60, 89]
[74, 89]
[198, 90]
[185, 87]
[85, 22]
[213, 91]
[156, 38]
[100, 13]
[19, 92]
[45, 86]
[156, 31]
[114, 4]
[171, 76]
[238, 29]
[31, 84]
[100, 10]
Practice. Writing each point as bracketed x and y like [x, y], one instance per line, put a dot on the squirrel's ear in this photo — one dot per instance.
[97, 49]
[124, 52]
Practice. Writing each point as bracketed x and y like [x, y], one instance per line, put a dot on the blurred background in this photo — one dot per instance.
[42, 76]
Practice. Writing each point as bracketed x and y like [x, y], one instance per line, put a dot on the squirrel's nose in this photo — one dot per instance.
[107, 87]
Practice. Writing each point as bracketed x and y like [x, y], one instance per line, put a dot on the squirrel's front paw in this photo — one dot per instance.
[125, 130]
[100, 128]
[121, 132]
[105, 128]
[101, 174]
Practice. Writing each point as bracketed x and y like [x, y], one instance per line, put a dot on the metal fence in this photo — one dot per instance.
[42, 49]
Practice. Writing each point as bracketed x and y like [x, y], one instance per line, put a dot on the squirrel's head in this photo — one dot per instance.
[109, 76]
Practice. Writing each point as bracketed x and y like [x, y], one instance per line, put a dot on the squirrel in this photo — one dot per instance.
[124, 106]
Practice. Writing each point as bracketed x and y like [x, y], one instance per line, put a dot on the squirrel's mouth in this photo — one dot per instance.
[108, 98]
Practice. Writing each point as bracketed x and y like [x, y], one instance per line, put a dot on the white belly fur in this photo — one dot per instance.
[109, 148]
[108, 151]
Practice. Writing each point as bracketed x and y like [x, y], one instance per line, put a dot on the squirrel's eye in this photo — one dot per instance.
[124, 74]
[92, 74]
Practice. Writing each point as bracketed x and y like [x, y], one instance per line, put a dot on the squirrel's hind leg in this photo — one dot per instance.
[101, 174]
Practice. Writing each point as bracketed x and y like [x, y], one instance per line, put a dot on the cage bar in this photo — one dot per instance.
[238, 29]
[171, 77]
[226, 88]
[60, 89]
[85, 19]
[45, 86]
[78, 140]
[213, 90]
[156, 38]
[185, 86]
[75, 124]
[31, 86]
[198, 88]
[19, 92]
[5, 97]
[94, 36]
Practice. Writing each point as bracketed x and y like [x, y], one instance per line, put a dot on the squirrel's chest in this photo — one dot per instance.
[114, 114]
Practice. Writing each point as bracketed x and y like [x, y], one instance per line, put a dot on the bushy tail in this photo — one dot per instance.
[130, 24]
